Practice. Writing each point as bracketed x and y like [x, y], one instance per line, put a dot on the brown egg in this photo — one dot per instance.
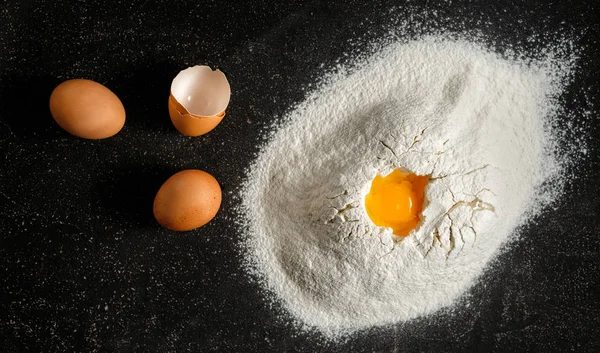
[198, 99]
[87, 109]
[187, 200]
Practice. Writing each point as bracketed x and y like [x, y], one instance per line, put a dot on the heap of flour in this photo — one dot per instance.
[477, 124]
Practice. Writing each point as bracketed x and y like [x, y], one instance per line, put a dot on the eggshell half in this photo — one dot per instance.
[189, 124]
[198, 99]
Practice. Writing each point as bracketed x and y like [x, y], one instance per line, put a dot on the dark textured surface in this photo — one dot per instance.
[83, 265]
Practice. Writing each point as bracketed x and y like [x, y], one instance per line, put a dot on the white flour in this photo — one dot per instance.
[475, 123]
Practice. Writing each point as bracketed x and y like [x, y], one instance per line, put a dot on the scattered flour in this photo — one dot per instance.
[477, 124]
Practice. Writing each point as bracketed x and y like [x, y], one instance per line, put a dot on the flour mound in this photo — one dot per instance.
[477, 124]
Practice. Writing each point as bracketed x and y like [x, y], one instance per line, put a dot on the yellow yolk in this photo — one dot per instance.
[396, 201]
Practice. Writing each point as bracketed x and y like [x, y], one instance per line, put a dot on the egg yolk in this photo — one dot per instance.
[396, 201]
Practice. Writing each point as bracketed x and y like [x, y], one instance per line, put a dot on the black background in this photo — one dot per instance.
[84, 266]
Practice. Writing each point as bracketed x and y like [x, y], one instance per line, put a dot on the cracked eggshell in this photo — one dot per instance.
[198, 99]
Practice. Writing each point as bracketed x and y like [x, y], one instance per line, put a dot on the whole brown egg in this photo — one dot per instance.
[87, 109]
[189, 199]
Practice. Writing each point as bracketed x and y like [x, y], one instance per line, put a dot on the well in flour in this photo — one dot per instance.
[474, 123]
[395, 201]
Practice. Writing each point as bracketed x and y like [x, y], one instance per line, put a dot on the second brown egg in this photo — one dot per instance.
[187, 200]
